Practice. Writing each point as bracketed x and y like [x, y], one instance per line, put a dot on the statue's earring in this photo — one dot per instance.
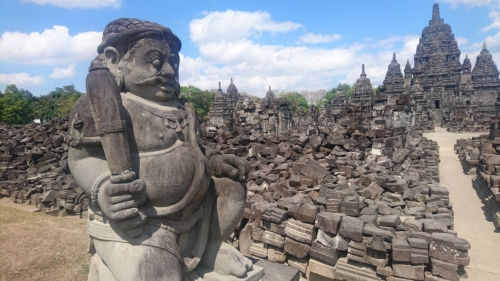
[120, 81]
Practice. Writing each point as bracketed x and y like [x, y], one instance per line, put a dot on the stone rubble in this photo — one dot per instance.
[352, 196]
[34, 169]
[480, 156]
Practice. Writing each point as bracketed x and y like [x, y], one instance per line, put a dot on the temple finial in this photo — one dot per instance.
[466, 56]
[363, 69]
[435, 12]
[231, 80]
[219, 86]
[394, 57]
[484, 46]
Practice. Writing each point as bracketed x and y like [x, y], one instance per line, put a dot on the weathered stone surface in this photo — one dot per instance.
[444, 269]
[407, 271]
[296, 249]
[329, 222]
[275, 215]
[352, 228]
[300, 231]
[274, 239]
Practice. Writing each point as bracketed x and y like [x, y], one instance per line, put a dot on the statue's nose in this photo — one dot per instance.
[167, 71]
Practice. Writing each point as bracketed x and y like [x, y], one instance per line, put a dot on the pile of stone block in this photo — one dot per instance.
[354, 200]
[34, 169]
[480, 156]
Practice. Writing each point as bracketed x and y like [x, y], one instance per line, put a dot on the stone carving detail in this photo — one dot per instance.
[162, 205]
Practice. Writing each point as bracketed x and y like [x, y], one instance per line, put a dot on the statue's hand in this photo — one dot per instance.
[231, 166]
[120, 203]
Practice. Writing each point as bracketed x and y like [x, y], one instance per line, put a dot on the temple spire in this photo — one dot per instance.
[363, 70]
[484, 46]
[269, 87]
[435, 12]
[220, 86]
[231, 80]
[394, 57]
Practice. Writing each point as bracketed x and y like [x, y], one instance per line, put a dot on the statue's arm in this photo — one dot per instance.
[119, 200]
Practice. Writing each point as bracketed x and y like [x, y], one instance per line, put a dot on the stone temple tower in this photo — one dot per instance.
[394, 80]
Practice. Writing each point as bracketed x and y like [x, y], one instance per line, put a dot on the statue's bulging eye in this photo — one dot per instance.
[156, 63]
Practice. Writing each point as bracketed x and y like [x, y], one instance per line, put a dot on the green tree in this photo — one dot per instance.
[201, 100]
[296, 100]
[57, 104]
[15, 106]
[329, 95]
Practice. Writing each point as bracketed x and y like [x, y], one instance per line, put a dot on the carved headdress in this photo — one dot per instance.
[127, 31]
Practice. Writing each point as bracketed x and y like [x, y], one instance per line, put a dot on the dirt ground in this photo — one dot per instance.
[472, 218]
[37, 247]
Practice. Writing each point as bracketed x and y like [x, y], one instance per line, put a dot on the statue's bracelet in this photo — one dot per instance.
[213, 153]
[126, 176]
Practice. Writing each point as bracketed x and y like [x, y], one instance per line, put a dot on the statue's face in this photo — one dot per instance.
[150, 70]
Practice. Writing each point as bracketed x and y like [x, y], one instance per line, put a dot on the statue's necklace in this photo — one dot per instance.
[173, 119]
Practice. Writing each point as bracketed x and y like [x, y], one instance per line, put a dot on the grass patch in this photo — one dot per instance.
[39, 247]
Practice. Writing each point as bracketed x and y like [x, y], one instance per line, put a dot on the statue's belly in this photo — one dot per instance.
[168, 174]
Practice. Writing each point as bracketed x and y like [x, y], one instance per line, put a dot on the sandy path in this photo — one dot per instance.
[472, 219]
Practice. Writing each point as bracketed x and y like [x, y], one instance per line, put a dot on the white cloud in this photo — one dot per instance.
[495, 16]
[21, 80]
[234, 25]
[470, 3]
[61, 72]
[71, 4]
[51, 47]
[254, 66]
[319, 38]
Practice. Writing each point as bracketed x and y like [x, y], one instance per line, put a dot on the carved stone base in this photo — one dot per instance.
[255, 274]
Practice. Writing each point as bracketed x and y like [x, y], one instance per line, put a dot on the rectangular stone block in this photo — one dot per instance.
[274, 214]
[352, 228]
[350, 208]
[300, 231]
[329, 222]
[258, 250]
[333, 205]
[372, 230]
[299, 263]
[401, 250]
[296, 249]
[449, 248]
[276, 254]
[389, 220]
[323, 253]
[444, 269]
[274, 227]
[412, 272]
[274, 239]
[307, 212]
[320, 268]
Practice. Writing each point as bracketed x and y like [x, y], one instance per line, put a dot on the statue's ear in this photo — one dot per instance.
[112, 57]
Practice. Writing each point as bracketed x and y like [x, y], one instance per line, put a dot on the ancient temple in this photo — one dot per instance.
[485, 75]
[222, 110]
[363, 93]
[437, 62]
[270, 116]
[394, 80]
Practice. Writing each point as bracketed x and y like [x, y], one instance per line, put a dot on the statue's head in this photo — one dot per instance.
[143, 56]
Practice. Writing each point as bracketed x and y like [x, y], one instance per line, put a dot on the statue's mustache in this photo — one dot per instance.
[160, 78]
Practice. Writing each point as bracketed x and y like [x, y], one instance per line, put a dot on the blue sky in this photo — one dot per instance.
[289, 45]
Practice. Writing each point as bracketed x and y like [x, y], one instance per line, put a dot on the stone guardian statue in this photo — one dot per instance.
[162, 205]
